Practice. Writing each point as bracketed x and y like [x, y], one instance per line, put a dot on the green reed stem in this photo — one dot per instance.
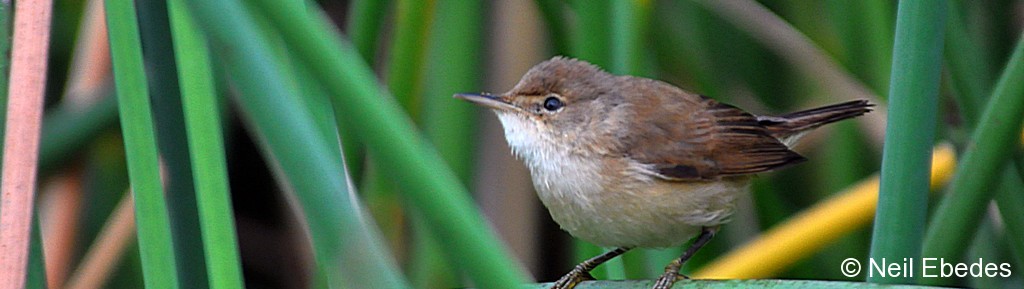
[364, 25]
[174, 150]
[206, 145]
[628, 36]
[409, 52]
[592, 40]
[153, 224]
[36, 278]
[553, 12]
[906, 160]
[1010, 200]
[968, 69]
[454, 65]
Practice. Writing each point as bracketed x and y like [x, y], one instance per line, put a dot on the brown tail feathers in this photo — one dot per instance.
[784, 126]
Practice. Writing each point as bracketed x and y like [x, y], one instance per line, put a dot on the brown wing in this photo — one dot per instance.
[716, 140]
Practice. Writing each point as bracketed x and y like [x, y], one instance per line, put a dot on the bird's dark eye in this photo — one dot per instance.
[552, 104]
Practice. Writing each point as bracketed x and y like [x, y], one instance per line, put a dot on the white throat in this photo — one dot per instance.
[555, 170]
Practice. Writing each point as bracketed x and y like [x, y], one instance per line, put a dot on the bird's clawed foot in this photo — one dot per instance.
[581, 272]
[672, 270]
[668, 279]
[573, 278]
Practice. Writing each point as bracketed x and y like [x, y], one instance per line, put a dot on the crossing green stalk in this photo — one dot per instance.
[400, 150]
[995, 139]
[346, 249]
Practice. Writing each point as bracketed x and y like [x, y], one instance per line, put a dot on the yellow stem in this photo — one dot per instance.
[809, 231]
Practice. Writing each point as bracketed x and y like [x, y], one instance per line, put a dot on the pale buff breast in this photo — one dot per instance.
[644, 212]
[649, 213]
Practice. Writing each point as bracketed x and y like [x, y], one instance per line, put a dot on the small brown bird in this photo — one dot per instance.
[626, 162]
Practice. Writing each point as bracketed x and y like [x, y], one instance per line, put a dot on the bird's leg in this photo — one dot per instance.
[672, 270]
[582, 271]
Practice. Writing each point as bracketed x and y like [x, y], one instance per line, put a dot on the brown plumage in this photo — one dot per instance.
[787, 125]
[703, 140]
[722, 140]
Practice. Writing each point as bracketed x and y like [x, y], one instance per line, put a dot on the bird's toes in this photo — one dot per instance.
[668, 279]
[572, 279]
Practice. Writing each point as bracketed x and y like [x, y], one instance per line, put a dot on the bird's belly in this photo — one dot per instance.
[645, 213]
[616, 201]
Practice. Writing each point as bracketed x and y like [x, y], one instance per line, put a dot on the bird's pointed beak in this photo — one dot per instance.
[486, 100]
